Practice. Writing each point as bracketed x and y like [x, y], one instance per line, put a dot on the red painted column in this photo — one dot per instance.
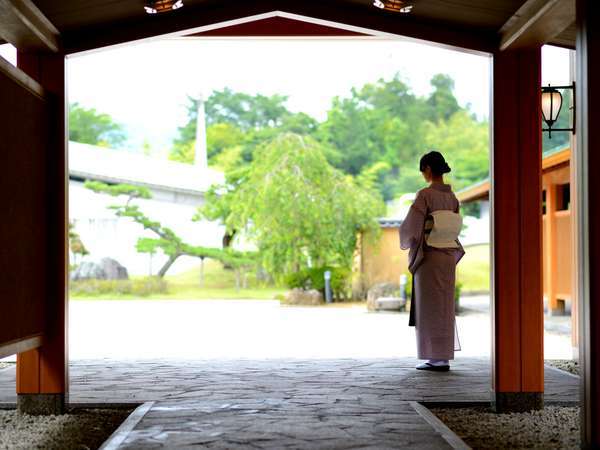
[517, 300]
[42, 374]
[587, 164]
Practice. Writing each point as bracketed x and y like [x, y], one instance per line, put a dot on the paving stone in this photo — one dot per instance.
[280, 404]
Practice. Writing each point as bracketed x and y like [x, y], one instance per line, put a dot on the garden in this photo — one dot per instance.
[300, 191]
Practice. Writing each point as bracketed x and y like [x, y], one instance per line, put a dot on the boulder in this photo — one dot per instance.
[380, 290]
[302, 297]
[105, 269]
[390, 304]
[88, 270]
[113, 269]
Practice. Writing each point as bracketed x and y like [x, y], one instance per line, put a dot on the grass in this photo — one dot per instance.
[219, 283]
[474, 269]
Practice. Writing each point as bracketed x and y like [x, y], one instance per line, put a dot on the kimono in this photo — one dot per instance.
[434, 271]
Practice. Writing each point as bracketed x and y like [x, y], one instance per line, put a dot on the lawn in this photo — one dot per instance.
[473, 271]
[219, 283]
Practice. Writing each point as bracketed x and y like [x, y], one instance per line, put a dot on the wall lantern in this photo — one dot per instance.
[552, 102]
[400, 6]
[161, 6]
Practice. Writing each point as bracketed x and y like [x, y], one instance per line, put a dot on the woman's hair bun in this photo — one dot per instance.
[435, 161]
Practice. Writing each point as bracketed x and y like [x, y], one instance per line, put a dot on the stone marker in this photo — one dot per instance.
[301, 297]
[380, 290]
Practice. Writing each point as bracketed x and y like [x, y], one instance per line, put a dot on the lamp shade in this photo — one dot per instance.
[551, 104]
[161, 6]
[401, 6]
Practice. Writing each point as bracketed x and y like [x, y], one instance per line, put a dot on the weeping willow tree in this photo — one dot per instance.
[296, 207]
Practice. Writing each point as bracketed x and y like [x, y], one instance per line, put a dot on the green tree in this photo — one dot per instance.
[386, 122]
[465, 144]
[219, 138]
[88, 126]
[166, 239]
[442, 101]
[76, 244]
[239, 121]
[298, 209]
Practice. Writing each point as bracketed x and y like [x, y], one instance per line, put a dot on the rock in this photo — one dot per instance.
[390, 304]
[113, 270]
[105, 269]
[304, 298]
[88, 270]
[378, 291]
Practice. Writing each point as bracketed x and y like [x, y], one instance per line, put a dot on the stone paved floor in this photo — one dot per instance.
[337, 403]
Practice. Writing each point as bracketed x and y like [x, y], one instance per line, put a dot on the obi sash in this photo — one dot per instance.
[442, 229]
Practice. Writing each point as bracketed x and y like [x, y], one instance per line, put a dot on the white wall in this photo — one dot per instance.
[477, 229]
[105, 235]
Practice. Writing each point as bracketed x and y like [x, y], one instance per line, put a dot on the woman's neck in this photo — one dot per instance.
[437, 180]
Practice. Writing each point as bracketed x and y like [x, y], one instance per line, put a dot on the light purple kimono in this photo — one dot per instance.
[434, 272]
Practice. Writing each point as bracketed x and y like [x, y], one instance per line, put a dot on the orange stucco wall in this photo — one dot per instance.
[382, 261]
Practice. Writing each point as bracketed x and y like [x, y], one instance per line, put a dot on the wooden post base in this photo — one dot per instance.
[510, 402]
[41, 404]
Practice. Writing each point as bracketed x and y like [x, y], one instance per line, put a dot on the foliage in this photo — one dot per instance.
[219, 138]
[142, 287]
[319, 210]
[314, 278]
[442, 101]
[409, 286]
[473, 271]
[458, 287]
[114, 190]
[166, 239]
[382, 125]
[75, 243]
[240, 121]
[464, 142]
[88, 126]
[386, 122]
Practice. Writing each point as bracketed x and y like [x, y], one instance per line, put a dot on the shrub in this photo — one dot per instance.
[140, 287]
[314, 278]
[458, 290]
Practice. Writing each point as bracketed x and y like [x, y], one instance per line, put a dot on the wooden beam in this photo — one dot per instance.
[536, 23]
[353, 18]
[42, 374]
[25, 26]
[517, 306]
[21, 345]
[21, 77]
[587, 159]
[556, 159]
[479, 191]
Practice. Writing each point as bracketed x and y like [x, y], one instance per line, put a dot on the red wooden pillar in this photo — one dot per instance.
[587, 160]
[42, 374]
[517, 304]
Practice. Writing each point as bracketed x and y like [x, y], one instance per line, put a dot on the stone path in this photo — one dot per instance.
[333, 404]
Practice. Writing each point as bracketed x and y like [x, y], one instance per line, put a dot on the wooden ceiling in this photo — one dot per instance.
[76, 14]
[87, 24]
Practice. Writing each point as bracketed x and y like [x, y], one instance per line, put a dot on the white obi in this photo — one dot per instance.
[446, 228]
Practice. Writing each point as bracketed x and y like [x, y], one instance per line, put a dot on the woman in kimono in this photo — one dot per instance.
[430, 231]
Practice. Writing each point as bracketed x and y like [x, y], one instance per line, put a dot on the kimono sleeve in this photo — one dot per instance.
[411, 229]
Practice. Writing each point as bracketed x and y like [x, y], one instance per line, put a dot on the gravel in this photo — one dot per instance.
[81, 429]
[553, 428]
[568, 365]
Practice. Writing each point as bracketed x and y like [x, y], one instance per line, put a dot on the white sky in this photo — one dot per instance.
[144, 86]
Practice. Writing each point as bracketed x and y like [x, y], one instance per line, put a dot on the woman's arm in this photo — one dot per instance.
[411, 229]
